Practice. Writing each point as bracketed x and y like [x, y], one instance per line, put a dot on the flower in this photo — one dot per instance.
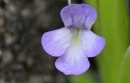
[75, 42]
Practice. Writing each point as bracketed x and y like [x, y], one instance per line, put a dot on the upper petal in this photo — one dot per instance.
[56, 42]
[74, 61]
[78, 15]
[92, 44]
[90, 15]
[72, 15]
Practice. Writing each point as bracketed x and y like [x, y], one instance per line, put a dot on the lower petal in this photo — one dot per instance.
[74, 61]
[92, 44]
[56, 42]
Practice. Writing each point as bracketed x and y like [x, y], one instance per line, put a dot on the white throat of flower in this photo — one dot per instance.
[76, 35]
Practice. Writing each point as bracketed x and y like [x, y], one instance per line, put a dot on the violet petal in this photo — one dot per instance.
[56, 42]
[79, 15]
[72, 15]
[90, 15]
[92, 43]
[74, 61]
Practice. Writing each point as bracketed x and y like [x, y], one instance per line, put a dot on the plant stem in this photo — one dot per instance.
[69, 2]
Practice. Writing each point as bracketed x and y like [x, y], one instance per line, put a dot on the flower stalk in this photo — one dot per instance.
[69, 2]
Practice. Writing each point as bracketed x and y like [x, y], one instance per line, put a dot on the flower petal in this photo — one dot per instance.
[72, 15]
[92, 43]
[74, 61]
[90, 15]
[56, 42]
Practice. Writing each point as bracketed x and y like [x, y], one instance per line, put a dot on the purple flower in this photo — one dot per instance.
[74, 42]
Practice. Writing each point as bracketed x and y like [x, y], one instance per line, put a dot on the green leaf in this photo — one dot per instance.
[84, 78]
[124, 73]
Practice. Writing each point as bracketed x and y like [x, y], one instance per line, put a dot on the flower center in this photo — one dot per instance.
[76, 35]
